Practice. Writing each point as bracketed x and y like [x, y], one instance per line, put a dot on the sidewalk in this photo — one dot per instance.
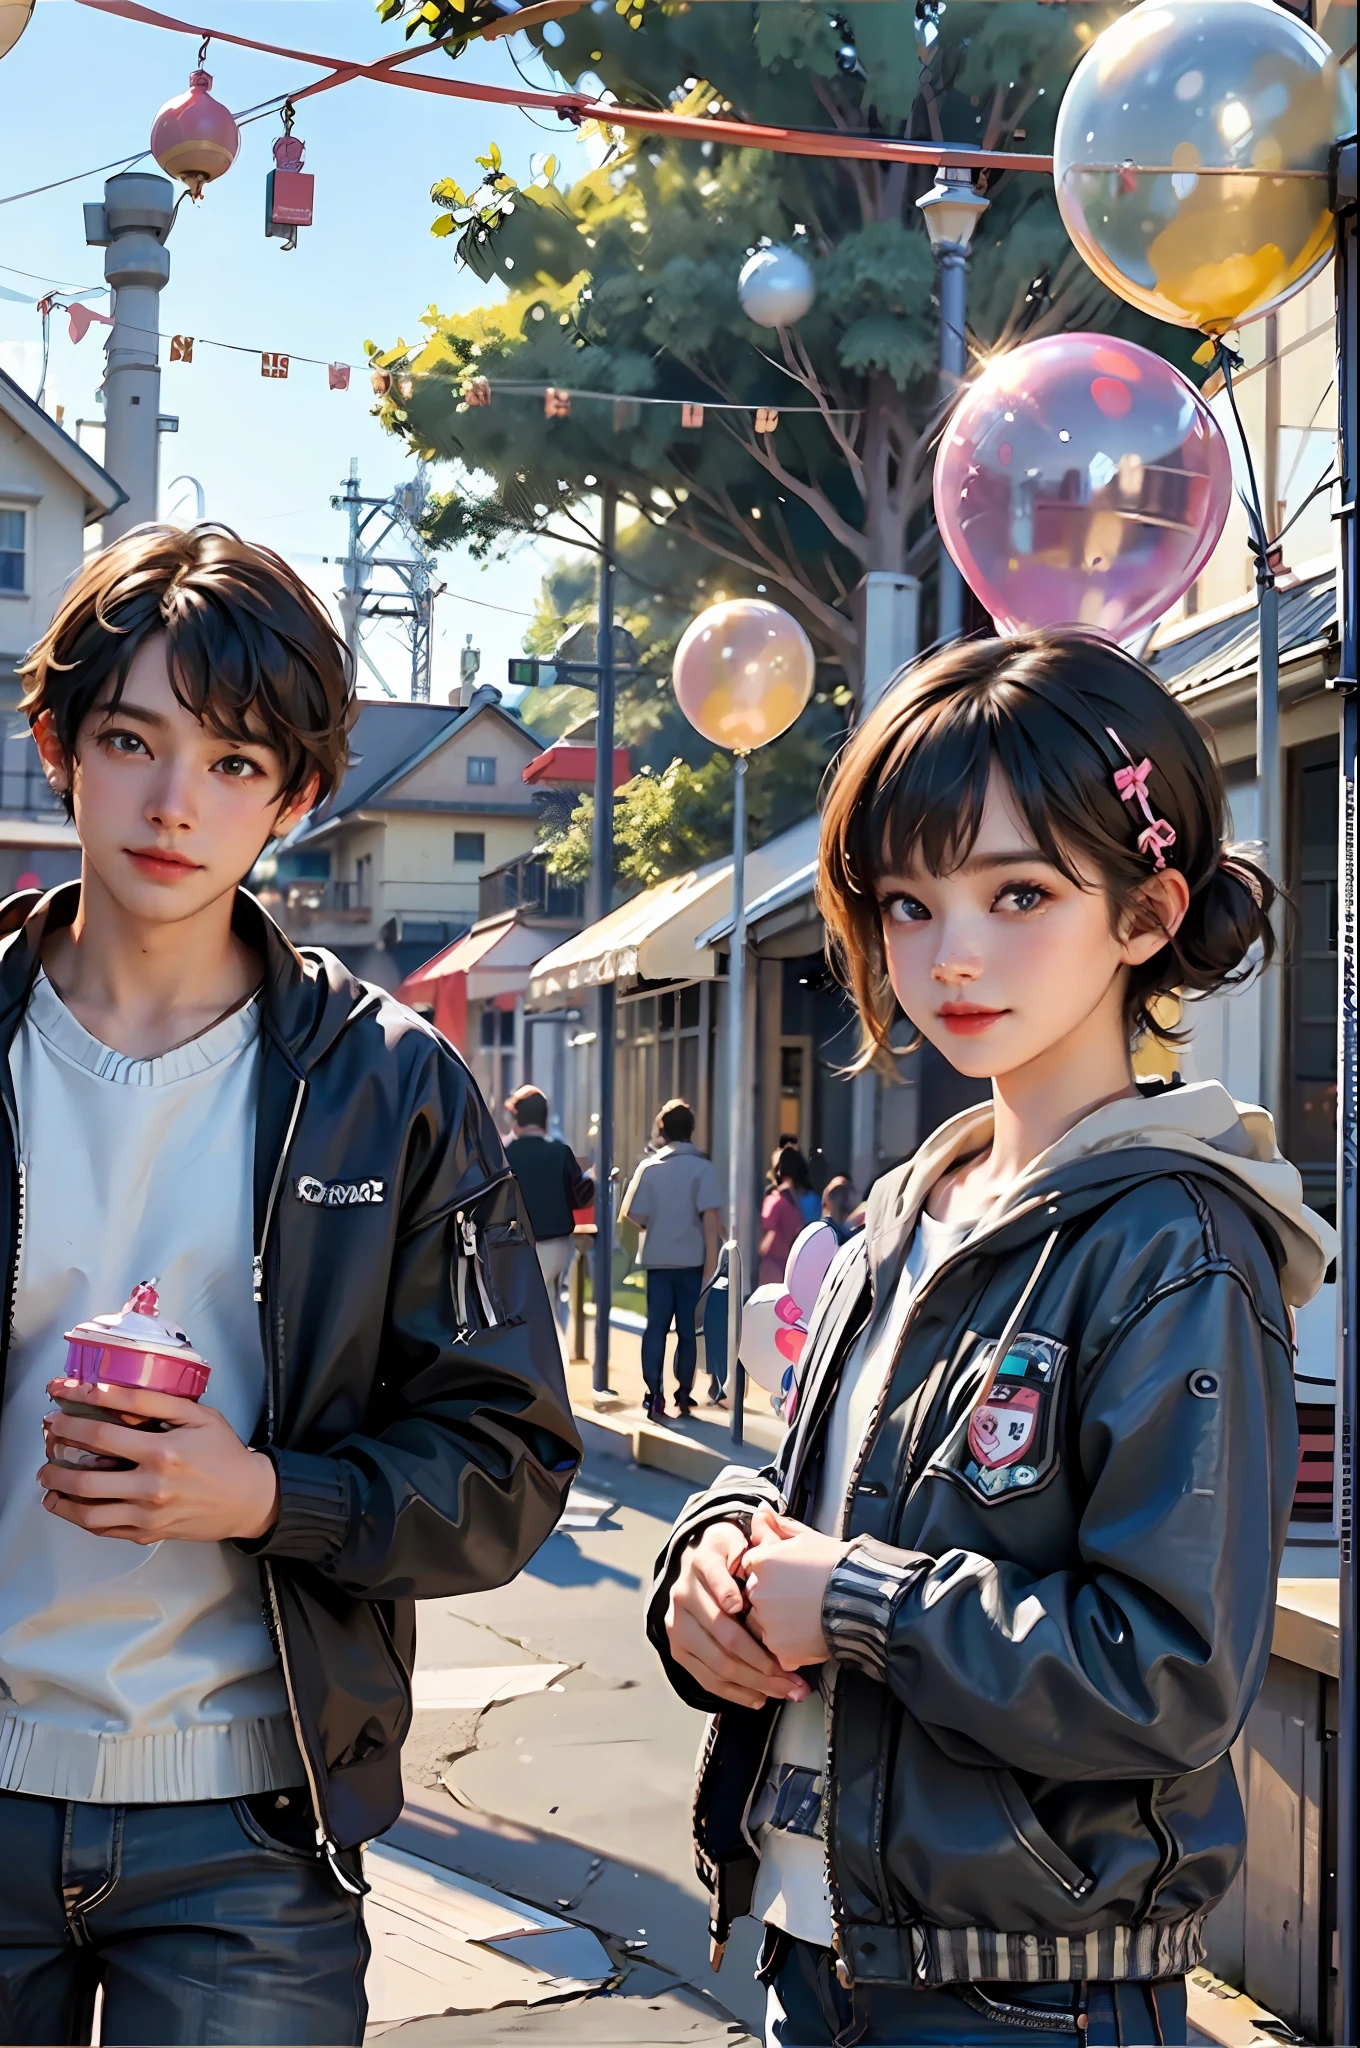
[695, 1449]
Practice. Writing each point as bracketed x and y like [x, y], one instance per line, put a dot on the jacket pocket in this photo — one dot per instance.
[1041, 1845]
[477, 1299]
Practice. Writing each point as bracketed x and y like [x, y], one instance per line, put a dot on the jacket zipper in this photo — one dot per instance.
[470, 1261]
[326, 1848]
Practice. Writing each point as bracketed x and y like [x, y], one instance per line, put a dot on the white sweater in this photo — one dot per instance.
[127, 1674]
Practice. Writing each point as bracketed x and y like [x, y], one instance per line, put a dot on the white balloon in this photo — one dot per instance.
[775, 287]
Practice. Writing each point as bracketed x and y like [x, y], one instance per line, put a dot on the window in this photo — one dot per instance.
[12, 550]
[481, 768]
[470, 845]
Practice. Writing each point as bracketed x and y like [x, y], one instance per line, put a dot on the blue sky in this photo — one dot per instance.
[81, 89]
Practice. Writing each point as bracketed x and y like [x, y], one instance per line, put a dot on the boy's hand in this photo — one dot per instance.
[786, 1569]
[705, 1629]
[196, 1481]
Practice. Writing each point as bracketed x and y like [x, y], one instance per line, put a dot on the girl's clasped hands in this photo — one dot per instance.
[746, 1616]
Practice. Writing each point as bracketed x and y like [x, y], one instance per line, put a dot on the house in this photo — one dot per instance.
[389, 871]
[51, 492]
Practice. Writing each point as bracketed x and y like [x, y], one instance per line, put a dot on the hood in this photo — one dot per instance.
[1200, 1122]
[308, 997]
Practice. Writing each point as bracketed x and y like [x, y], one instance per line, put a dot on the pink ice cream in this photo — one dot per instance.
[135, 1347]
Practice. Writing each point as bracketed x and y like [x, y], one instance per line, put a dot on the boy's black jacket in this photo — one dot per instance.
[1042, 1662]
[416, 1414]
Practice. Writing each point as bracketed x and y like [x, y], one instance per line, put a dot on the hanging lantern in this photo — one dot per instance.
[194, 138]
[288, 189]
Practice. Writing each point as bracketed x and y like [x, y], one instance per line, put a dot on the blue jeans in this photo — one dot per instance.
[672, 1296]
[201, 1925]
[810, 2009]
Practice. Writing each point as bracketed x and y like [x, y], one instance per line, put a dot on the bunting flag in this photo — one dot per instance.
[79, 320]
[478, 392]
[767, 419]
[691, 415]
[181, 348]
[273, 364]
[556, 403]
[337, 376]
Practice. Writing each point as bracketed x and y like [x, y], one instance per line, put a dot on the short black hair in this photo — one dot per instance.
[529, 1106]
[675, 1121]
[250, 650]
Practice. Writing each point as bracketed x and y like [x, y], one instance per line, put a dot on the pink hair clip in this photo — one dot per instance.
[1131, 782]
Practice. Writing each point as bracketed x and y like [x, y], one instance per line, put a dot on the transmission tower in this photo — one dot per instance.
[408, 591]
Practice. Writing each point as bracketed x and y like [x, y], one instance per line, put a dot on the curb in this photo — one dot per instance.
[665, 1450]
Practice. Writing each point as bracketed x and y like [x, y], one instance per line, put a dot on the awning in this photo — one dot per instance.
[495, 957]
[651, 938]
[662, 935]
[795, 889]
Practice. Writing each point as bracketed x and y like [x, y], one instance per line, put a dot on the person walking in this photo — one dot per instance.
[207, 1607]
[675, 1200]
[980, 1639]
[551, 1182]
[782, 1213]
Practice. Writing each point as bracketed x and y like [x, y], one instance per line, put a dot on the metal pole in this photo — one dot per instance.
[602, 849]
[131, 226]
[1343, 196]
[1271, 822]
[737, 1111]
[953, 365]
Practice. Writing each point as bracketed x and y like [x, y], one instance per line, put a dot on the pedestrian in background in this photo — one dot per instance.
[839, 1203]
[551, 1182]
[978, 1655]
[675, 1199]
[782, 1213]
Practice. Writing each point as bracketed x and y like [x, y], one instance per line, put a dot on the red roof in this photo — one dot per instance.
[564, 761]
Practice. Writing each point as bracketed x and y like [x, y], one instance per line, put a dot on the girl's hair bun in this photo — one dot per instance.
[1227, 920]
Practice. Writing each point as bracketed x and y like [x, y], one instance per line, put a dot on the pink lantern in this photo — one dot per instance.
[195, 138]
[1081, 481]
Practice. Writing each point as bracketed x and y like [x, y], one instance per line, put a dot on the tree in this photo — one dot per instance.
[624, 284]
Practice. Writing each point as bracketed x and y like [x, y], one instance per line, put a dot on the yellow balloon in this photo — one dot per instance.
[743, 671]
[1167, 138]
[14, 17]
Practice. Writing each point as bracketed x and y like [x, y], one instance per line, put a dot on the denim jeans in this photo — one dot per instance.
[672, 1296]
[810, 2009]
[201, 1925]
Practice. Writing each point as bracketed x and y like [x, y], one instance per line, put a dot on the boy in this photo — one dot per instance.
[206, 1638]
[550, 1181]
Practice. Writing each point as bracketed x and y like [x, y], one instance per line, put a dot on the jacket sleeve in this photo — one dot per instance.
[1146, 1658]
[468, 1469]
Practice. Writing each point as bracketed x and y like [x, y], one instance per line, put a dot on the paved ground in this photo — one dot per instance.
[576, 1799]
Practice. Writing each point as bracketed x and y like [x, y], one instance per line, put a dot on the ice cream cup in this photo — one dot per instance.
[133, 1348]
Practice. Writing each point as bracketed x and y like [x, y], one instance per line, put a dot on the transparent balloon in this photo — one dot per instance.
[743, 672]
[1081, 481]
[14, 19]
[1180, 153]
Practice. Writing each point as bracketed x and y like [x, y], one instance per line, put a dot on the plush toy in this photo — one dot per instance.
[774, 1320]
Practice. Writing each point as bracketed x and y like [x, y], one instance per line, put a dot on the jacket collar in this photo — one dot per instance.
[308, 998]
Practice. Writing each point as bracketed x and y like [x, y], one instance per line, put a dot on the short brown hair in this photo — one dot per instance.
[243, 637]
[1040, 709]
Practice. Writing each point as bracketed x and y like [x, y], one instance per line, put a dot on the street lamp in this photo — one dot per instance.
[952, 208]
[743, 672]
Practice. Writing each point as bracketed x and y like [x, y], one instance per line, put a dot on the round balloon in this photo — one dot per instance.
[775, 287]
[1177, 155]
[1081, 481]
[743, 672]
[14, 19]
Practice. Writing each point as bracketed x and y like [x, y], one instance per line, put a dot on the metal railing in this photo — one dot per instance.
[323, 898]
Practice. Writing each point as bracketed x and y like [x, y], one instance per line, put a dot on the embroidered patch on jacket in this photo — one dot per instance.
[1007, 1446]
[339, 1194]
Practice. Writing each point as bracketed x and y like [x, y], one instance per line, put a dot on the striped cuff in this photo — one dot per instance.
[314, 1509]
[860, 1600]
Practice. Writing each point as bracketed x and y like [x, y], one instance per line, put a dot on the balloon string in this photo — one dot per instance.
[1227, 360]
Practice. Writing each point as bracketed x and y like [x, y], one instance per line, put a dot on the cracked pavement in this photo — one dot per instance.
[577, 1798]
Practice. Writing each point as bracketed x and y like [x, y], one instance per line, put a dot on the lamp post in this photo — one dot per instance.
[743, 672]
[602, 864]
[952, 208]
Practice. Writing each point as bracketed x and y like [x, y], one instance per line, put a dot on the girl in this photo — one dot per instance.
[977, 1644]
[784, 1211]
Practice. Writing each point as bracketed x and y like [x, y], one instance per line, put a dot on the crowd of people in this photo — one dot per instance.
[280, 1362]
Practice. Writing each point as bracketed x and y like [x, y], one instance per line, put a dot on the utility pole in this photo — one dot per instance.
[130, 224]
[372, 521]
[602, 855]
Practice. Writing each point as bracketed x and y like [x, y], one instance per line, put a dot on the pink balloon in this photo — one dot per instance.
[1081, 481]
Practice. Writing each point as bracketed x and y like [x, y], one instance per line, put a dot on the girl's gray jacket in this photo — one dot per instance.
[1043, 1656]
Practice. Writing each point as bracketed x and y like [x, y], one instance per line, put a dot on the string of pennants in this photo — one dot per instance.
[557, 401]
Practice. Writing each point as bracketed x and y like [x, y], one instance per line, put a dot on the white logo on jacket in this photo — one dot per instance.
[339, 1194]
